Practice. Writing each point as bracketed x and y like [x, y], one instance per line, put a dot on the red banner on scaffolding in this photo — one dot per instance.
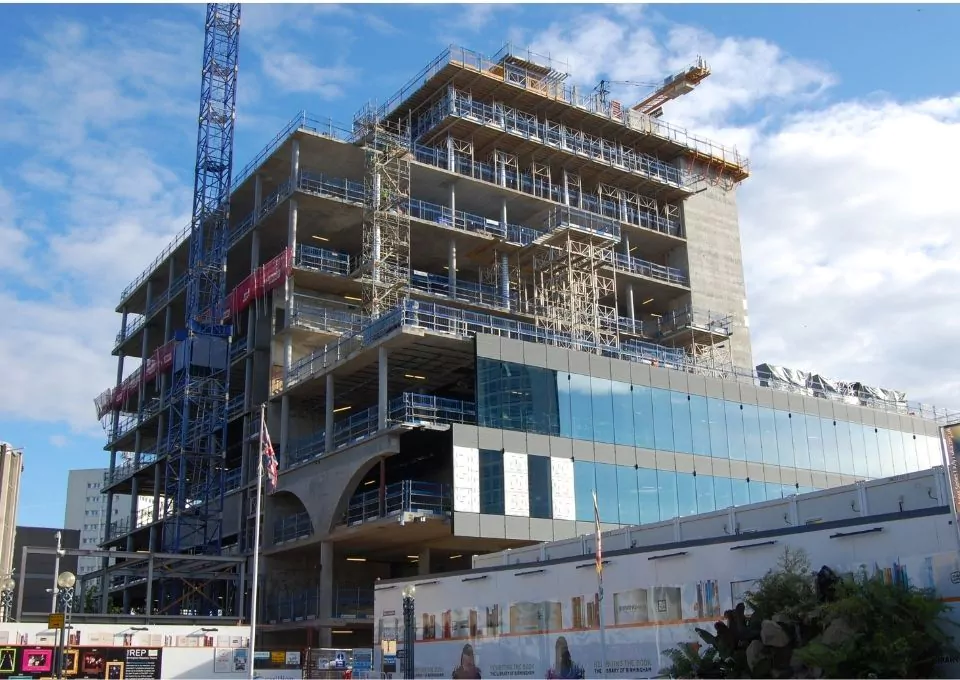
[265, 279]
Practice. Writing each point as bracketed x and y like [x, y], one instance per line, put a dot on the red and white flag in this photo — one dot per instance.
[270, 458]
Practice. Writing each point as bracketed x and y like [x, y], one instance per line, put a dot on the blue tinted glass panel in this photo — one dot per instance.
[785, 438]
[686, 494]
[886, 452]
[798, 427]
[768, 435]
[722, 493]
[602, 410]
[662, 419]
[667, 485]
[718, 429]
[583, 486]
[627, 496]
[758, 491]
[814, 442]
[896, 450]
[845, 448]
[538, 481]
[682, 435]
[607, 501]
[910, 452]
[700, 425]
[643, 417]
[622, 414]
[734, 417]
[581, 407]
[874, 465]
[648, 492]
[491, 482]
[751, 433]
[773, 491]
[830, 454]
[705, 495]
[488, 376]
[741, 492]
[545, 417]
[858, 446]
[563, 398]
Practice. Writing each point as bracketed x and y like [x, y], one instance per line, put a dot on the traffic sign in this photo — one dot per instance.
[55, 621]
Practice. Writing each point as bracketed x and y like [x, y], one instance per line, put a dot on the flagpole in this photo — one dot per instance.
[256, 544]
[599, 555]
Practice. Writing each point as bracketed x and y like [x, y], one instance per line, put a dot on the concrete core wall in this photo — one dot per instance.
[716, 262]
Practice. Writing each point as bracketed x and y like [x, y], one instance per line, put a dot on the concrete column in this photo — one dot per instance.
[284, 425]
[505, 281]
[566, 189]
[257, 197]
[291, 243]
[503, 213]
[631, 309]
[287, 355]
[423, 562]
[383, 386]
[326, 591]
[154, 547]
[452, 268]
[626, 245]
[328, 415]
[453, 201]
[451, 165]
[295, 161]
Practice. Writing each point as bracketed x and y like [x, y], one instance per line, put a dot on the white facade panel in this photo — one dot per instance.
[516, 490]
[561, 481]
[466, 479]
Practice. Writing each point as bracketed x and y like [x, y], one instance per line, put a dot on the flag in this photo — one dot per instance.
[266, 450]
[596, 520]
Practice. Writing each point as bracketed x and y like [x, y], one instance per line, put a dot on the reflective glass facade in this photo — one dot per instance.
[515, 396]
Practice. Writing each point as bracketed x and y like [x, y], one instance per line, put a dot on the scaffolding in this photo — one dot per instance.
[385, 260]
[196, 427]
[569, 286]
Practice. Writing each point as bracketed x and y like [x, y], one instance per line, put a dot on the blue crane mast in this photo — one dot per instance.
[197, 432]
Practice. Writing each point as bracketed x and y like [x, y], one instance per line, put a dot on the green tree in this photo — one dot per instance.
[796, 623]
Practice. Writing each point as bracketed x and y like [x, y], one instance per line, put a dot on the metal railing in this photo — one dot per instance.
[292, 528]
[232, 480]
[129, 468]
[158, 303]
[426, 498]
[556, 136]
[553, 88]
[348, 603]
[634, 265]
[406, 410]
[322, 260]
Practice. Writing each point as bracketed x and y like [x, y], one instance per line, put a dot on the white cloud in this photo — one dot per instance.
[849, 253]
[293, 73]
[847, 247]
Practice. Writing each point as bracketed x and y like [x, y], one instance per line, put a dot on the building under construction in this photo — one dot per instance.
[465, 312]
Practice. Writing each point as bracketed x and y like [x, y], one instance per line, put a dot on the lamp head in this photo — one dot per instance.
[409, 590]
[8, 584]
[66, 579]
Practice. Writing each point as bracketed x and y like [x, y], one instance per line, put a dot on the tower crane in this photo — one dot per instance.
[672, 87]
[196, 434]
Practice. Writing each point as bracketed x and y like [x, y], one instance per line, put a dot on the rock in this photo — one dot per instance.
[836, 633]
[754, 652]
[772, 634]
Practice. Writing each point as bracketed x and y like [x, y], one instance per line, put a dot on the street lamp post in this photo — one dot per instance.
[409, 631]
[65, 582]
[7, 586]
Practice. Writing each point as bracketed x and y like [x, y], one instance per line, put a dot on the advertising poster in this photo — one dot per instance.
[544, 621]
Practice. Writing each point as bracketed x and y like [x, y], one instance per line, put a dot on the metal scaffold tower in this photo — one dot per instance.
[385, 260]
[569, 286]
[197, 420]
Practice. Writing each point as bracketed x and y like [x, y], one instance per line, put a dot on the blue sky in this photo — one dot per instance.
[846, 112]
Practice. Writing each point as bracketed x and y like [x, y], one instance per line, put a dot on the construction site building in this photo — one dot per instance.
[464, 312]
